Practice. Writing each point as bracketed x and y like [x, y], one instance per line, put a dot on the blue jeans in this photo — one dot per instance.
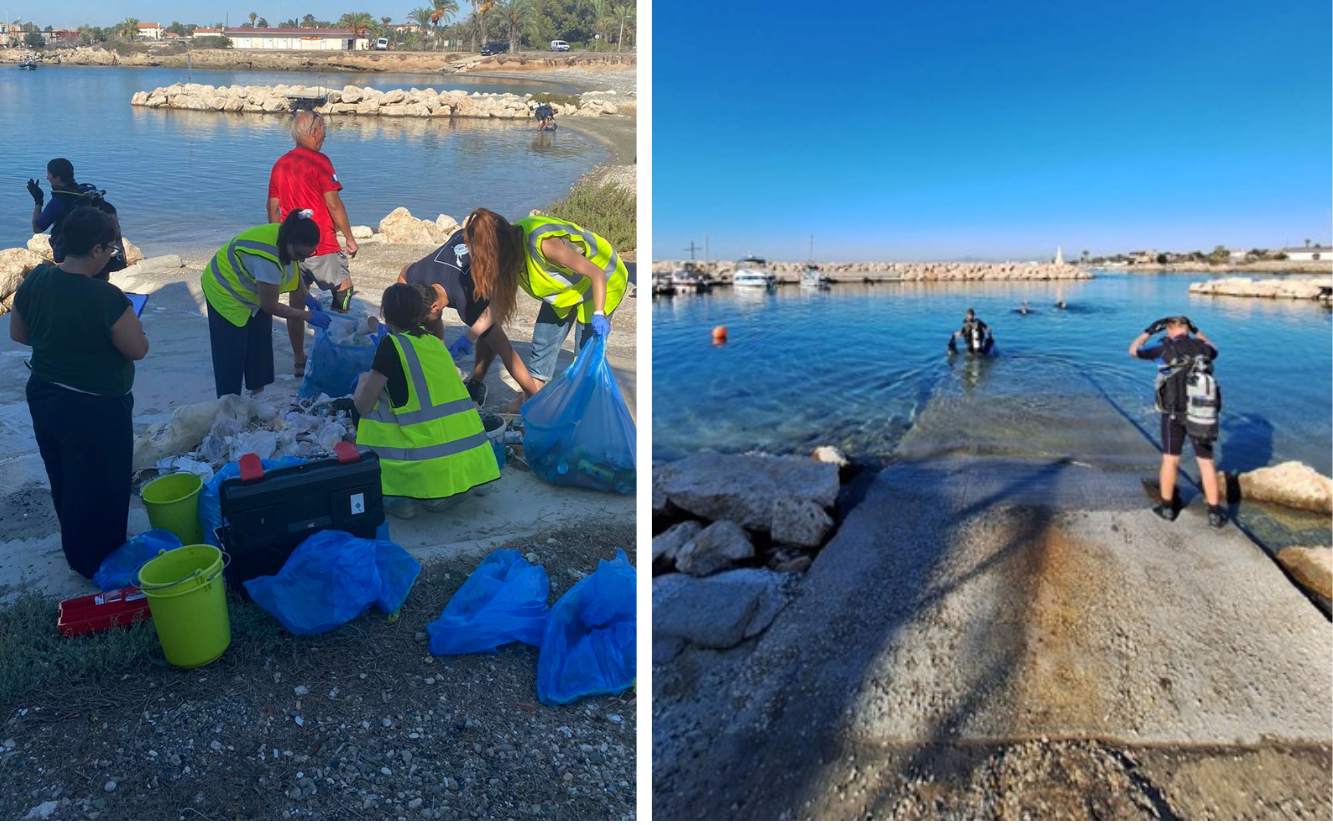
[549, 334]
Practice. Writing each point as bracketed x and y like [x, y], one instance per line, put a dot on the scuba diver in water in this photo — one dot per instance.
[975, 333]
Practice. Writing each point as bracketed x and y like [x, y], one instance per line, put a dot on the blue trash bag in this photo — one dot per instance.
[502, 601]
[332, 366]
[589, 644]
[119, 569]
[578, 431]
[333, 577]
[210, 503]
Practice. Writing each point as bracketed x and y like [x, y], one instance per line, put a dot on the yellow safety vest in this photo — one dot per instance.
[434, 445]
[228, 284]
[561, 287]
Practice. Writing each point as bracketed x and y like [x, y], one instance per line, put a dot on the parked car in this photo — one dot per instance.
[494, 48]
[382, 45]
[559, 46]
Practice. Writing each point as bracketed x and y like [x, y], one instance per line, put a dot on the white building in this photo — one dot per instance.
[1309, 253]
[151, 31]
[297, 39]
[205, 31]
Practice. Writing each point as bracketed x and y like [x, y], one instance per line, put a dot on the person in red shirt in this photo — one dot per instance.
[304, 178]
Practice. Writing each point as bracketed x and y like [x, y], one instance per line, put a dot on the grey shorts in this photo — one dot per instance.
[325, 270]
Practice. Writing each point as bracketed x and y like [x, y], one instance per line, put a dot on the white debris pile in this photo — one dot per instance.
[202, 437]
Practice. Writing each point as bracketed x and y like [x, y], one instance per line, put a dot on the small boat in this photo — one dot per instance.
[814, 278]
[662, 285]
[28, 65]
[753, 272]
[689, 279]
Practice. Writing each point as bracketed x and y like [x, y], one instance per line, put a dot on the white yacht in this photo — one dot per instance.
[814, 278]
[690, 279]
[753, 272]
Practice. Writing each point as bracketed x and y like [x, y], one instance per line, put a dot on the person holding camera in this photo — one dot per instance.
[85, 338]
[1183, 351]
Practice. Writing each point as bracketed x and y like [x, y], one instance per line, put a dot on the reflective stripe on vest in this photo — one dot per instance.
[434, 445]
[560, 287]
[228, 284]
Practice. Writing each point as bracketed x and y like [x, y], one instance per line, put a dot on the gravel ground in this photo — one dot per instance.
[358, 723]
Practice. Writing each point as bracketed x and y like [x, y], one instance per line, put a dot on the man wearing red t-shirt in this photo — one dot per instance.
[304, 179]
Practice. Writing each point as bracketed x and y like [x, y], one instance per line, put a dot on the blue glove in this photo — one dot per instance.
[601, 326]
[312, 303]
[460, 347]
[382, 331]
[319, 318]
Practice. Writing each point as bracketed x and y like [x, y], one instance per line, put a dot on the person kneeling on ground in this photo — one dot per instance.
[85, 338]
[447, 273]
[575, 273]
[1175, 347]
[242, 284]
[416, 414]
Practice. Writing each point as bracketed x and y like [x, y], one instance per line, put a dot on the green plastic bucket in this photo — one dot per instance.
[188, 599]
[173, 504]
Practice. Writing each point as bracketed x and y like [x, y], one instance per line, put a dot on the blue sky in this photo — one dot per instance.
[63, 13]
[950, 129]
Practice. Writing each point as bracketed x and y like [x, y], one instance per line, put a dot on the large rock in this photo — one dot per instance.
[15, 264]
[1292, 484]
[234, 104]
[744, 488]
[393, 110]
[395, 96]
[277, 104]
[716, 547]
[446, 226]
[132, 253]
[718, 611]
[368, 107]
[362, 233]
[1312, 568]
[40, 244]
[800, 522]
[666, 546]
[351, 94]
[400, 227]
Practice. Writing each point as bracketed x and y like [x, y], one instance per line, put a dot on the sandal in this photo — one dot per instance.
[299, 368]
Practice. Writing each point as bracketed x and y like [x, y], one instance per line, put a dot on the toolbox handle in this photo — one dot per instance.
[346, 452]
[251, 467]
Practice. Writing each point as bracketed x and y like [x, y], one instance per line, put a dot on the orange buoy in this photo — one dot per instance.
[719, 336]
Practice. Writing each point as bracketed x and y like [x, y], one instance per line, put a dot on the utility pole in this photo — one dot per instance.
[706, 257]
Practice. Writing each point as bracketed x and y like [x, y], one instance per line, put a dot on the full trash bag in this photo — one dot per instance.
[339, 355]
[588, 647]
[502, 601]
[210, 503]
[578, 431]
[118, 569]
[333, 577]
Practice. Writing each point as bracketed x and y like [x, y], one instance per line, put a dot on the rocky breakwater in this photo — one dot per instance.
[363, 102]
[789, 272]
[732, 535]
[15, 264]
[1300, 289]
[1296, 486]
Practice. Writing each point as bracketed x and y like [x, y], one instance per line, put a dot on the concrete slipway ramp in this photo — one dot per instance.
[178, 371]
[1012, 636]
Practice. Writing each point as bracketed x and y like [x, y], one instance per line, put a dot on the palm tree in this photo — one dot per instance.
[1085, 255]
[253, 16]
[1307, 242]
[624, 15]
[601, 20]
[359, 22]
[440, 15]
[129, 28]
[517, 19]
[486, 6]
[421, 17]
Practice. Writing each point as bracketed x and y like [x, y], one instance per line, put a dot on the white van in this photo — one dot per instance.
[559, 46]
[382, 45]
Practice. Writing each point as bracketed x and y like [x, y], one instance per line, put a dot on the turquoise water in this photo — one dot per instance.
[185, 180]
[853, 367]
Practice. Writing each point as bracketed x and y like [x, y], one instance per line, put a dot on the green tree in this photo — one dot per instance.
[359, 22]
[253, 16]
[128, 28]
[309, 22]
[86, 34]
[420, 16]
[289, 24]
[34, 40]
[441, 12]
[1219, 255]
[624, 16]
[602, 21]
[262, 24]
[516, 20]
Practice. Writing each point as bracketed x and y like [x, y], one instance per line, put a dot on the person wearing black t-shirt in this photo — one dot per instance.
[447, 273]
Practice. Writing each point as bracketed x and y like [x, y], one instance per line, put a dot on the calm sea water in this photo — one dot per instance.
[186, 180]
[854, 366]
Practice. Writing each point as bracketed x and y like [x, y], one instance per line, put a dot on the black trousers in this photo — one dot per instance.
[241, 352]
[87, 445]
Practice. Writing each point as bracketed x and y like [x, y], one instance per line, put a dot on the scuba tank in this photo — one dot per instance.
[1203, 400]
[976, 339]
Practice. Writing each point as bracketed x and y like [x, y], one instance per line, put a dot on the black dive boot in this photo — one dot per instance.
[1165, 510]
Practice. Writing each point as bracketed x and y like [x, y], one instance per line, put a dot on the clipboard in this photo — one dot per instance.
[138, 302]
